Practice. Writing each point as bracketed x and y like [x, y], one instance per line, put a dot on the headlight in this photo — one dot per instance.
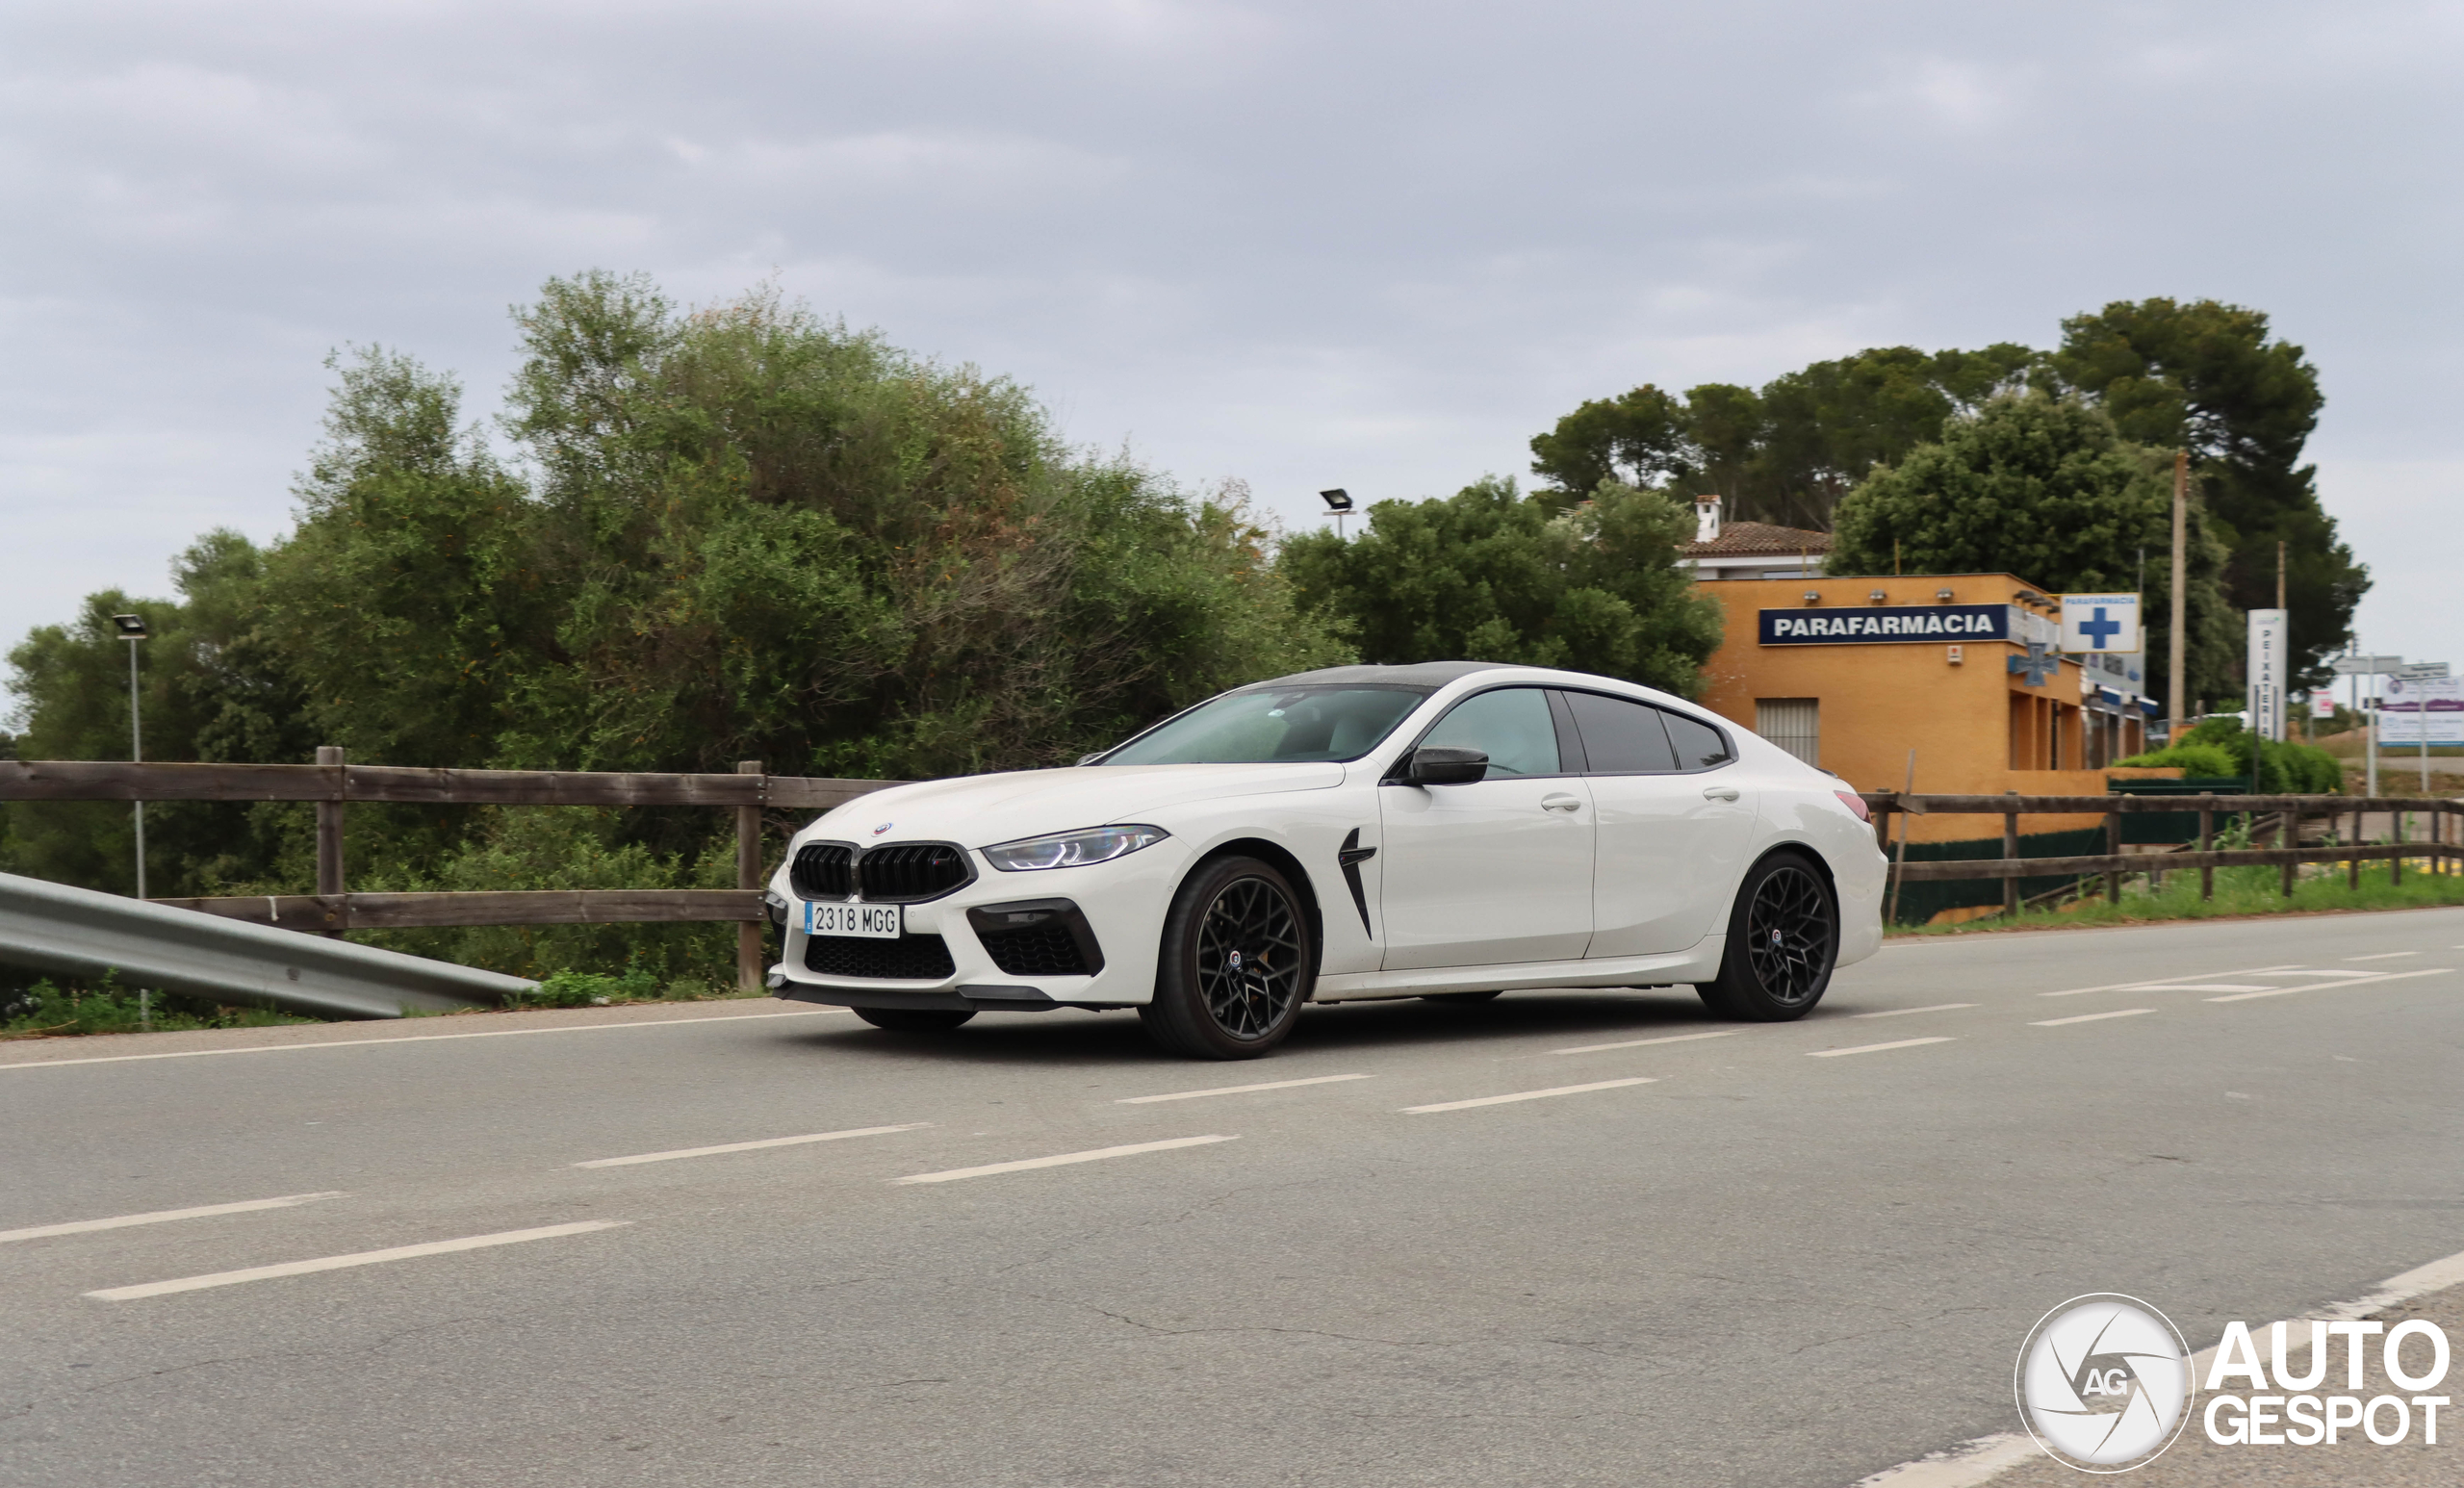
[1072, 848]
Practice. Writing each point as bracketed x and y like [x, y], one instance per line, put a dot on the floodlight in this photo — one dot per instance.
[1336, 499]
[131, 628]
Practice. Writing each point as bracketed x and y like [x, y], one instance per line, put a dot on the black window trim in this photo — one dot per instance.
[1727, 740]
[1394, 775]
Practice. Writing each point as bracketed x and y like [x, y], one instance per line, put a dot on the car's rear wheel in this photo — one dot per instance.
[1237, 963]
[1783, 940]
[914, 1020]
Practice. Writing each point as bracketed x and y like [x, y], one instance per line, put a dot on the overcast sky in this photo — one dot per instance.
[1375, 246]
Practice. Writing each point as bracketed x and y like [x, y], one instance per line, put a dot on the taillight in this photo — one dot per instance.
[1854, 803]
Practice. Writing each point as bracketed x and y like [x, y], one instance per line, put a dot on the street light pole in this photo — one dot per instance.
[132, 630]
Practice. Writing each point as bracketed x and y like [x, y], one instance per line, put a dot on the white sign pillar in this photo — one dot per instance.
[2269, 660]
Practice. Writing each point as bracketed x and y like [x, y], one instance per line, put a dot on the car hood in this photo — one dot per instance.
[978, 809]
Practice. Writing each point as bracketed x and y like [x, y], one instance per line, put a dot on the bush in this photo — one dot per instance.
[2192, 760]
[46, 1009]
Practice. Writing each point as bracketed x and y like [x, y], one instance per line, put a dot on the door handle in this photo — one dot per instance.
[1719, 793]
[1559, 803]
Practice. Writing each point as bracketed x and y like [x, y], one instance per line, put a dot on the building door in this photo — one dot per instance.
[1673, 832]
[1499, 870]
[1794, 724]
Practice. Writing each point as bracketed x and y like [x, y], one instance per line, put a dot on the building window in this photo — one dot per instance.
[1794, 724]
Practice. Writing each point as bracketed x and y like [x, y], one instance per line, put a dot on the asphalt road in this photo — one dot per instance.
[1768, 1255]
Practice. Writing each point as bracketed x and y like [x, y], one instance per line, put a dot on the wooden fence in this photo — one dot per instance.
[333, 783]
[2341, 821]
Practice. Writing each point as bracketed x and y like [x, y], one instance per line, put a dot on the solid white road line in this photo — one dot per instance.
[350, 1043]
[2132, 986]
[335, 1262]
[1237, 1089]
[1987, 1457]
[1507, 1100]
[2383, 956]
[1060, 1160]
[420, 1038]
[2092, 1018]
[747, 1147]
[164, 1215]
[2203, 986]
[2321, 971]
[2335, 987]
[1637, 1044]
[1892, 1012]
[1876, 1048]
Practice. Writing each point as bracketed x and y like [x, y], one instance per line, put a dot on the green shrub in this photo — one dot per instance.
[45, 1009]
[2193, 759]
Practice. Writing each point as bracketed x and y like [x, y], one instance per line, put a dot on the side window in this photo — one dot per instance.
[1699, 745]
[1621, 738]
[1512, 724]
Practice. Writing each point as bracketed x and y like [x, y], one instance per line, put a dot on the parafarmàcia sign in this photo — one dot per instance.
[1812, 625]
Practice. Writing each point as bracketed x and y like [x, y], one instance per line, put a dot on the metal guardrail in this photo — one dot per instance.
[78, 932]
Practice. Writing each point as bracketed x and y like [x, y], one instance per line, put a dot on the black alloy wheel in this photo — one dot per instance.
[1238, 961]
[1783, 939]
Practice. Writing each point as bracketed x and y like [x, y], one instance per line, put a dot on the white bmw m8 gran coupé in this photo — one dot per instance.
[1450, 830]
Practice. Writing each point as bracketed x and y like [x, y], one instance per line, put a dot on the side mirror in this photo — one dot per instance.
[1441, 765]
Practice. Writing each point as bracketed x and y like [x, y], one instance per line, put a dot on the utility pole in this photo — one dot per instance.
[2176, 665]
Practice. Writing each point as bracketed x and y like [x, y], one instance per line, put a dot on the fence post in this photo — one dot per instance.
[2395, 864]
[2206, 845]
[2113, 849]
[329, 842]
[2010, 850]
[2288, 834]
[2352, 864]
[750, 935]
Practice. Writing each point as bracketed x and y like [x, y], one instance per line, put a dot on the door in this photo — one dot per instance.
[1673, 828]
[1499, 870]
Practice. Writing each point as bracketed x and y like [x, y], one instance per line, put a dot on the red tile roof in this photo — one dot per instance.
[1758, 537]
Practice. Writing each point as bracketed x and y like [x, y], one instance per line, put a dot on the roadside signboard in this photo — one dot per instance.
[2100, 621]
[2427, 711]
[2421, 671]
[2269, 658]
[2365, 666]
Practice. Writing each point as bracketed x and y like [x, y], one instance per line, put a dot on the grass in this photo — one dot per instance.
[2240, 892]
[46, 1009]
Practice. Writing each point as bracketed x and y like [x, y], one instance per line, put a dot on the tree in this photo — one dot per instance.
[2046, 489]
[2207, 376]
[1784, 455]
[1492, 575]
[740, 532]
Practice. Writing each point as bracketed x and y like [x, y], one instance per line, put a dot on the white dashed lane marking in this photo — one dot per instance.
[335, 1262]
[2092, 1018]
[747, 1147]
[1892, 1012]
[1877, 1049]
[1637, 1044]
[164, 1215]
[1507, 1100]
[1237, 1089]
[1060, 1160]
[2383, 956]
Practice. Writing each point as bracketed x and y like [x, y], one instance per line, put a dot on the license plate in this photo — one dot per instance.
[866, 921]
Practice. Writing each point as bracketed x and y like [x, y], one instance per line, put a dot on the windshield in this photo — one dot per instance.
[1268, 725]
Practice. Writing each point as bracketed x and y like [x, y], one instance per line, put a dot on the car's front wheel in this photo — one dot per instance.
[1783, 939]
[1237, 963]
[914, 1020]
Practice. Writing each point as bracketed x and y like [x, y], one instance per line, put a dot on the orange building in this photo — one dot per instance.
[1851, 674]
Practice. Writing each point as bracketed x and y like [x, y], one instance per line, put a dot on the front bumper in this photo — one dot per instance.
[1111, 912]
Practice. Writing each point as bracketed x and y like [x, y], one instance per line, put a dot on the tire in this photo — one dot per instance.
[913, 1021]
[1459, 998]
[1238, 961]
[1783, 942]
